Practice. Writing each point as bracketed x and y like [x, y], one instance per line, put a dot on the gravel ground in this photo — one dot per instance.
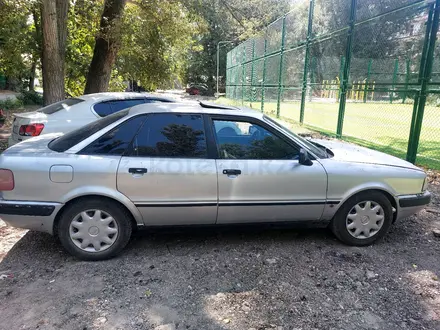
[241, 278]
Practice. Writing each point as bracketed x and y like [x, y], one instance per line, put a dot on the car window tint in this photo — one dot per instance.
[103, 109]
[61, 105]
[118, 105]
[318, 151]
[117, 140]
[107, 108]
[244, 140]
[74, 137]
[155, 100]
[171, 135]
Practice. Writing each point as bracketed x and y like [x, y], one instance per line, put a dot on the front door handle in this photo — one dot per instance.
[232, 172]
[137, 170]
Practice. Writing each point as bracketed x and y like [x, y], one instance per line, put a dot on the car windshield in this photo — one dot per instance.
[55, 107]
[72, 138]
[320, 152]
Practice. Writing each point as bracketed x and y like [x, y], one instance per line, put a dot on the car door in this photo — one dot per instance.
[167, 173]
[259, 175]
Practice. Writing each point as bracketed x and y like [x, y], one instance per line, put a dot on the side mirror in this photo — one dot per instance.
[304, 158]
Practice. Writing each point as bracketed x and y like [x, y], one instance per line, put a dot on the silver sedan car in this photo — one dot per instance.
[198, 164]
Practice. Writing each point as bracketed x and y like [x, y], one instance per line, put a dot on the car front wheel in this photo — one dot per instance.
[363, 219]
[94, 229]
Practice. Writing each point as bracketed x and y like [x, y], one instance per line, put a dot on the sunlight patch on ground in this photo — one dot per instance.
[8, 237]
[426, 285]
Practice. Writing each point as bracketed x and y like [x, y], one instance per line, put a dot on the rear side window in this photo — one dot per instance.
[154, 100]
[55, 107]
[103, 109]
[72, 138]
[171, 135]
[107, 108]
[117, 140]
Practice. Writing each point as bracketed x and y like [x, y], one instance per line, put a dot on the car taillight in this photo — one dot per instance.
[6, 180]
[31, 129]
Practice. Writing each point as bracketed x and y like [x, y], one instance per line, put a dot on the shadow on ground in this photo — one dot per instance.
[236, 278]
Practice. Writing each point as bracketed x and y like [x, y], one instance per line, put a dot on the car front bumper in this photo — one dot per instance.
[411, 204]
[37, 216]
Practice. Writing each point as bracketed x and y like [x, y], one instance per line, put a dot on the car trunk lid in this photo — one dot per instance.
[34, 146]
[26, 118]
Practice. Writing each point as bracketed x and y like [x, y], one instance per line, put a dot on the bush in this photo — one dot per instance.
[30, 98]
[10, 104]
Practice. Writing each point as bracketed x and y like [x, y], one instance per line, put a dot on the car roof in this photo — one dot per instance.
[107, 96]
[194, 107]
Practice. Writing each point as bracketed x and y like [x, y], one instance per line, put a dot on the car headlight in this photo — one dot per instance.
[425, 185]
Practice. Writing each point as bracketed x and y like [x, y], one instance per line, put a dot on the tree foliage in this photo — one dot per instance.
[155, 43]
[83, 25]
[227, 20]
[18, 40]
[162, 43]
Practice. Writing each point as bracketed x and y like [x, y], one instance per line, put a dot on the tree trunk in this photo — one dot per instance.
[32, 75]
[106, 47]
[54, 30]
[38, 35]
[62, 11]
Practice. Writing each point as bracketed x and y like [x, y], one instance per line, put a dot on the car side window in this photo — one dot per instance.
[108, 107]
[154, 100]
[103, 109]
[116, 141]
[118, 105]
[245, 140]
[171, 135]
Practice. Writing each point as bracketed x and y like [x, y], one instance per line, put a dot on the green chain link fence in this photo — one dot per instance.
[367, 71]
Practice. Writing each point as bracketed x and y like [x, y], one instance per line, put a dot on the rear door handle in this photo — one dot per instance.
[137, 170]
[232, 172]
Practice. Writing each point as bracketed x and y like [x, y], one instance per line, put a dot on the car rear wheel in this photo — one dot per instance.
[363, 219]
[94, 229]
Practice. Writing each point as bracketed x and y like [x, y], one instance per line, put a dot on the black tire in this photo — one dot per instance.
[119, 214]
[338, 223]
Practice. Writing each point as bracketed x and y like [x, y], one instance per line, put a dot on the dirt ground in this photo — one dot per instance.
[241, 278]
[247, 278]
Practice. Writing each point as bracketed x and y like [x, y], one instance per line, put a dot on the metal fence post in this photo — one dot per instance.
[312, 77]
[409, 151]
[408, 68]
[264, 74]
[412, 154]
[306, 61]
[370, 64]
[341, 74]
[252, 71]
[237, 72]
[280, 75]
[243, 72]
[346, 72]
[396, 69]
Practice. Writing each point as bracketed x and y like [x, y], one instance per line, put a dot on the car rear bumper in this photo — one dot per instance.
[37, 216]
[411, 204]
[12, 141]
